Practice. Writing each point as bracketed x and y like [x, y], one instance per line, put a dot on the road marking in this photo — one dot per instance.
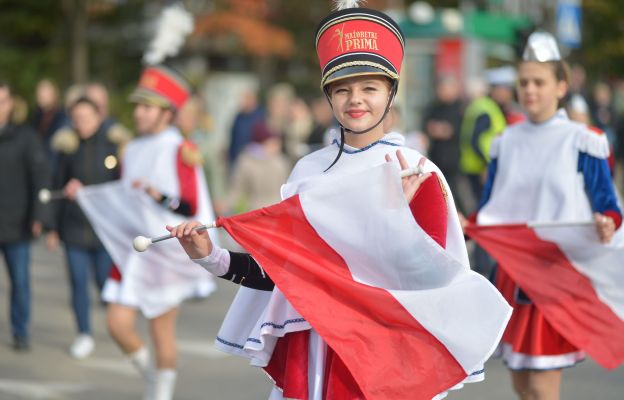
[201, 348]
[41, 390]
[117, 365]
[122, 366]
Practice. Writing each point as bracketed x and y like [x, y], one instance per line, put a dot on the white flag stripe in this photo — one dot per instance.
[440, 293]
[602, 264]
[456, 312]
[119, 213]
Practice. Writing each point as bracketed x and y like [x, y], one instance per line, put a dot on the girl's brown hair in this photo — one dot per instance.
[561, 70]
[562, 73]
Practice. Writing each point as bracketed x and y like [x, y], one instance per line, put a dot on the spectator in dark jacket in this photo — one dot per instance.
[250, 112]
[49, 115]
[442, 124]
[23, 169]
[88, 155]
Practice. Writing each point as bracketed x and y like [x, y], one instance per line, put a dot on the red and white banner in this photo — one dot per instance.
[573, 279]
[407, 319]
[156, 280]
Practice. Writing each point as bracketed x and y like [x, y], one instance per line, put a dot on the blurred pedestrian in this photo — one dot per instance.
[23, 173]
[578, 110]
[547, 169]
[483, 120]
[502, 82]
[602, 111]
[98, 94]
[578, 81]
[249, 113]
[260, 171]
[297, 130]
[72, 93]
[442, 125]
[279, 101]
[323, 122]
[87, 156]
[49, 115]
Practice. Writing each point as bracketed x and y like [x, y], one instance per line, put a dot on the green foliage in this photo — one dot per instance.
[35, 42]
[31, 43]
[602, 53]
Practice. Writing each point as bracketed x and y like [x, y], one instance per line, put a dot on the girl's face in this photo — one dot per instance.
[150, 119]
[539, 91]
[360, 102]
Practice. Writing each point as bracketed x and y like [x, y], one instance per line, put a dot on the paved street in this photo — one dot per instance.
[47, 371]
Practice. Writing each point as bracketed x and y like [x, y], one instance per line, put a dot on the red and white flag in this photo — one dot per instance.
[573, 279]
[406, 318]
[156, 280]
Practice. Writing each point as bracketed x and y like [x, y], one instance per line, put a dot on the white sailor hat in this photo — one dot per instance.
[501, 76]
[541, 47]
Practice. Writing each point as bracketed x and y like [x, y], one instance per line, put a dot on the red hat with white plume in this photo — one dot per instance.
[159, 84]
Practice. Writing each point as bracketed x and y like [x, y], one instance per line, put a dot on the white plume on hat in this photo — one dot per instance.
[344, 4]
[172, 27]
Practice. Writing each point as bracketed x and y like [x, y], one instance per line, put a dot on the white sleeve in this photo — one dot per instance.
[217, 262]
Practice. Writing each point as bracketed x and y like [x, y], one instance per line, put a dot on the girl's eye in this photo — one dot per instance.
[370, 88]
[340, 90]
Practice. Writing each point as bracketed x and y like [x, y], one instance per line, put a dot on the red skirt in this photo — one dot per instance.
[530, 341]
[289, 370]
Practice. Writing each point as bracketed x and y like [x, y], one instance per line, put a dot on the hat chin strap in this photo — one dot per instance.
[393, 92]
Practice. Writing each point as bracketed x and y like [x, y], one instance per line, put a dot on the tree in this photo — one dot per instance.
[602, 50]
[77, 19]
[31, 42]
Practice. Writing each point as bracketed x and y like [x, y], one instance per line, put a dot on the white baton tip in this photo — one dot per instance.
[411, 171]
[44, 196]
[141, 243]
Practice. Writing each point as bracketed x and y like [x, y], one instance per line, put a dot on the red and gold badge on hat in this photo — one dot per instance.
[161, 86]
[358, 41]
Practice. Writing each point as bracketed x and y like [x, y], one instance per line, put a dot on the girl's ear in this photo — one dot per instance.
[562, 89]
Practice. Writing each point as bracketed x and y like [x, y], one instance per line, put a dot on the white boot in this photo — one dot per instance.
[165, 384]
[142, 362]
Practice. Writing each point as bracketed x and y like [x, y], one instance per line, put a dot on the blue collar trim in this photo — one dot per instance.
[365, 147]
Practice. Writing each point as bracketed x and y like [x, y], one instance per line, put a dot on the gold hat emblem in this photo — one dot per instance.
[148, 81]
[339, 33]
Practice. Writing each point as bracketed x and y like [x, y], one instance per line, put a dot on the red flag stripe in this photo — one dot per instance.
[187, 177]
[565, 296]
[369, 342]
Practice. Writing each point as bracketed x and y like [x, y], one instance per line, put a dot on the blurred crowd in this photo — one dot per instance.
[64, 137]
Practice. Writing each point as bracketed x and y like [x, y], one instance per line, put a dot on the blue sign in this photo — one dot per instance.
[569, 27]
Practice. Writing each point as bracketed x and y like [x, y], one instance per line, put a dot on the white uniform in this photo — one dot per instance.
[158, 280]
[537, 179]
[256, 319]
